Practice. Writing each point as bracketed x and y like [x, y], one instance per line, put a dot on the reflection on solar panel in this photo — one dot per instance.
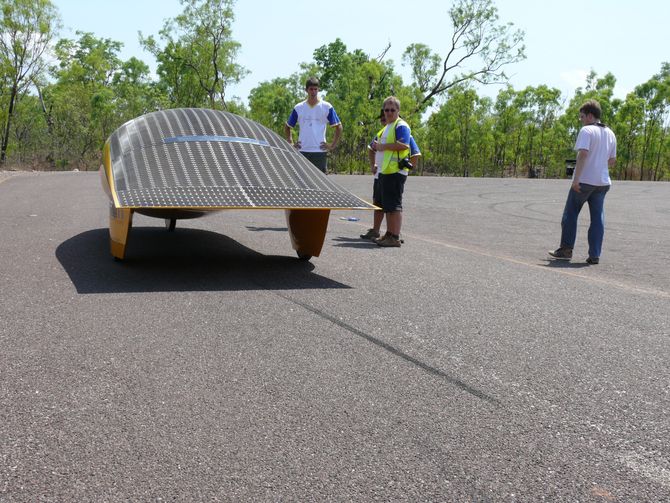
[208, 159]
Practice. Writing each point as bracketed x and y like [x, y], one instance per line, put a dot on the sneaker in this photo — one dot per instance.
[371, 234]
[378, 239]
[592, 260]
[389, 241]
[561, 253]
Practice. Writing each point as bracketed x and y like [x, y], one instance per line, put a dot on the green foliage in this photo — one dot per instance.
[26, 30]
[197, 63]
[62, 117]
[92, 92]
[480, 47]
[270, 103]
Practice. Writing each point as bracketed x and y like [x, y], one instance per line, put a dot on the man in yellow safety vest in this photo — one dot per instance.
[392, 151]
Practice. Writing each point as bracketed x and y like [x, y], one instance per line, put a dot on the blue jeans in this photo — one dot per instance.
[595, 196]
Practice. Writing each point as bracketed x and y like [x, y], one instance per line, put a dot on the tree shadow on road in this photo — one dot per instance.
[181, 261]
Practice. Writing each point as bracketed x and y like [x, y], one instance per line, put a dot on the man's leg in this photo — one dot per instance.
[394, 222]
[573, 205]
[377, 220]
[597, 227]
[318, 159]
[392, 190]
[378, 216]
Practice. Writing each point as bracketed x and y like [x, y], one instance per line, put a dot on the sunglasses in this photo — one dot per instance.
[389, 110]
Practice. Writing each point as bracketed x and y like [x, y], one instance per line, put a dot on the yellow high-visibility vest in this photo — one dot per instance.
[391, 158]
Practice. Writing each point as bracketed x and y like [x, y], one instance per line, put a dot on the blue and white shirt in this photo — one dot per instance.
[312, 122]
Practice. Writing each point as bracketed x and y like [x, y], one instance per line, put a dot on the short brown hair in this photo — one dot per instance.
[312, 81]
[591, 107]
[394, 100]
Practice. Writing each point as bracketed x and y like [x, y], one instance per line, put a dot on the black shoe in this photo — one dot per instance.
[592, 260]
[561, 254]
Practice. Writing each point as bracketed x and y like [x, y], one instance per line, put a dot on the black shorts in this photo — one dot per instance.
[377, 193]
[392, 187]
[319, 159]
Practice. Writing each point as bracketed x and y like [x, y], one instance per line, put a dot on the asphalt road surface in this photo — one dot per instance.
[212, 365]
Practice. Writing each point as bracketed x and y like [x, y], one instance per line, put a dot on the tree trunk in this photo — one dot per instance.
[8, 125]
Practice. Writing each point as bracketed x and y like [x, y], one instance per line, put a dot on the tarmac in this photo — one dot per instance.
[213, 365]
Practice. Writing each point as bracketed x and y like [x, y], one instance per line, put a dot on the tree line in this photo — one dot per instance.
[60, 99]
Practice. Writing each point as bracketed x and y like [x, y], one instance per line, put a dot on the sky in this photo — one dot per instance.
[564, 39]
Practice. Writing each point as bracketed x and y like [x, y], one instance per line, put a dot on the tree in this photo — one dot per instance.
[655, 94]
[505, 119]
[424, 65]
[540, 106]
[627, 125]
[197, 63]
[356, 85]
[93, 92]
[477, 39]
[26, 30]
[459, 141]
[270, 103]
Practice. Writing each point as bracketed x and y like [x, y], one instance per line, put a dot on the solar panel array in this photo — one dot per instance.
[200, 158]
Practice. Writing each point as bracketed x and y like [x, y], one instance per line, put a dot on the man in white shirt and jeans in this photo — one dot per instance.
[596, 153]
[312, 116]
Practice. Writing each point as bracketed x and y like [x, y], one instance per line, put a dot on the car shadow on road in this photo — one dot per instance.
[181, 261]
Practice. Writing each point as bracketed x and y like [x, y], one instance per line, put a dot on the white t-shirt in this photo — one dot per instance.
[601, 144]
[312, 121]
[379, 154]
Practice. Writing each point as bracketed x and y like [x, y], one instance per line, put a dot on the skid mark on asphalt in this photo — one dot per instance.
[394, 351]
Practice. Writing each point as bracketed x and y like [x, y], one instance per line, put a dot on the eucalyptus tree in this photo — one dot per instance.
[27, 28]
[270, 103]
[479, 49]
[197, 61]
[540, 106]
[627, 125]
[93, 91]
[459, 137]
[355, 83]
[81, 103]
[506, 121]
[655, 94]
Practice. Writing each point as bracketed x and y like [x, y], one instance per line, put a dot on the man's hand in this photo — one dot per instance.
[297, 145]
[328, 147]
[575, 186]
[376, 146]
[373, 169]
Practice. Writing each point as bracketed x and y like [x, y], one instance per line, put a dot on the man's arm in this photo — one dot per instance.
[582, 155]
[336, 139]
[403, 135]
[394, 147]
[288, 127]
[371, 160]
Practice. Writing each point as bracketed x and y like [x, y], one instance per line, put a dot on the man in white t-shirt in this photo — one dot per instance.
[596, 153]
[312, 116]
